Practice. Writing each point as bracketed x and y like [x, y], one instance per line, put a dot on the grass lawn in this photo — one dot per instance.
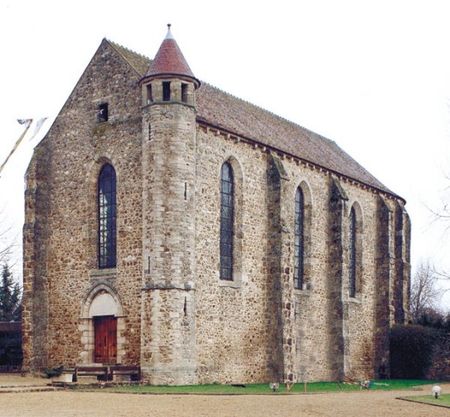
[443, 400]
[311, 387]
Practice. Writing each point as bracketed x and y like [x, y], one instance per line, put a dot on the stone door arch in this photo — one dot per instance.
[102, 318]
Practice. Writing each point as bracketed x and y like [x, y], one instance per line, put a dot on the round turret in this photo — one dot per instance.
[169, 77]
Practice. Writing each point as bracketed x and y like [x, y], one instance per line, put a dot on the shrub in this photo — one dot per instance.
[411, 350]
[53, 372]
[10, 351]
[440, 364]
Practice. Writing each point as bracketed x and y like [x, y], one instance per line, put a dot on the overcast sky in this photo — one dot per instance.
[374, 76]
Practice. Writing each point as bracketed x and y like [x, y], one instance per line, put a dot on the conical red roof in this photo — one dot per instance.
[169, 60]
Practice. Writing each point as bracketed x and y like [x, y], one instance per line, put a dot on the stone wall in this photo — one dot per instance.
[35, 309]
[236, 321]
[60, 233]
[245, 330]
[382, 294]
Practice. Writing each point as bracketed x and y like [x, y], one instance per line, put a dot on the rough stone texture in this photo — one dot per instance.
[175, 317]
[334, 283]
[383, 277]
[168, 332]
[60, 232]
[35, 284]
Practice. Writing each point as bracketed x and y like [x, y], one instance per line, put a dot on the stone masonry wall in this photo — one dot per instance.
[71, 155]
[236, 321]
[275, 177]
[238, 325]
[35, 283]
[383, 277]
[338, 333]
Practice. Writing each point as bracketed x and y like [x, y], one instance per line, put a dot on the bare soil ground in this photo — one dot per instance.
[7, 380]
[99, 404]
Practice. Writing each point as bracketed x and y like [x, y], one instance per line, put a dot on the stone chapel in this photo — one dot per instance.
[173, 226]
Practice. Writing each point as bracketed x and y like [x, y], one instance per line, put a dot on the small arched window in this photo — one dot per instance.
[226, 222]
[299, 245]
[107, 217]
[352, 253]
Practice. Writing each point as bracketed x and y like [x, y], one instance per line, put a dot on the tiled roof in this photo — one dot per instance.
[231, 113]
[140, 63]
[170, 60]
[237, 116]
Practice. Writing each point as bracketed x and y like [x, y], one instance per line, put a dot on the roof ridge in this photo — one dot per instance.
[116, 44]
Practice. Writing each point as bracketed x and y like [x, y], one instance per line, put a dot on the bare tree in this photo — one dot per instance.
[440, 215]
[425, 293]
[6, 247]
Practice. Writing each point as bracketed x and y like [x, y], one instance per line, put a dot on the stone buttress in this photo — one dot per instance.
[384, 277]
[35, 312]
[337, 313]
[281, 271]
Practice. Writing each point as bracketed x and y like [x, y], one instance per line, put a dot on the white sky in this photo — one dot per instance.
[374, 76]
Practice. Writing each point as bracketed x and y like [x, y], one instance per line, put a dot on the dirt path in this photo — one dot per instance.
[78, 404]
[7, 380]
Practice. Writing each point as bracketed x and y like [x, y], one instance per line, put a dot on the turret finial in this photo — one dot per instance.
[169, 33]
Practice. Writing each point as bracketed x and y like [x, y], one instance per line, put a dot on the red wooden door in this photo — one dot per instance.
[105, 330]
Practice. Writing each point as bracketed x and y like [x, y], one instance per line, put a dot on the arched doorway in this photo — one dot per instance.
[102, 327]
[103, 311]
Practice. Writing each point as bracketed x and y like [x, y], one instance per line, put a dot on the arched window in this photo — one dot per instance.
[299, 239]
[226, 222]
[352, 253]
[107, 217]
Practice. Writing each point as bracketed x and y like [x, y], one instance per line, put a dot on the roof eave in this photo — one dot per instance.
[202, 120]
[163, 75]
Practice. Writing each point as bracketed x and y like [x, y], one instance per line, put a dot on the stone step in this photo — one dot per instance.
[27, 388]
[23, 385]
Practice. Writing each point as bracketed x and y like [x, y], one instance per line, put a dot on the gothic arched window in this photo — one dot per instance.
[299, 239]
[352, 264]
[226, 222]
[107, 217]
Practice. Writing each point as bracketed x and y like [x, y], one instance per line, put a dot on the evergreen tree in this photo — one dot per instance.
[9, 296]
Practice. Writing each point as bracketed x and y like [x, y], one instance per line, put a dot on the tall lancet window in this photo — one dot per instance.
[352, 253]
[299, 246]
[226, 222]
[107, 217]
